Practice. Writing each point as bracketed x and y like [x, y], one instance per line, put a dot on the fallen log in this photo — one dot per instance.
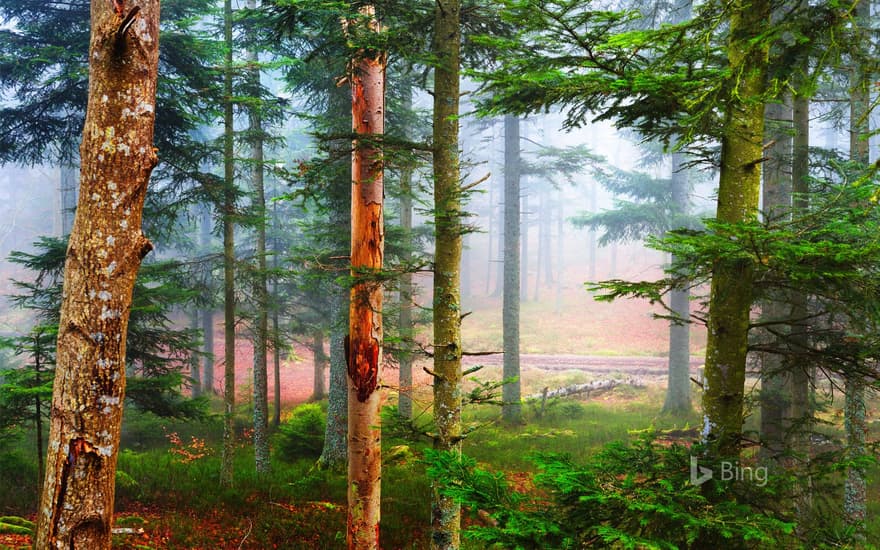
[595, 385]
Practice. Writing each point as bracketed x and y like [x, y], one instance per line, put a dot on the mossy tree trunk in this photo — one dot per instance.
[228, 216]
[103, 257]
[364, 349]
[319, 391]
[511, 410]
[446, 49]
[730, 297]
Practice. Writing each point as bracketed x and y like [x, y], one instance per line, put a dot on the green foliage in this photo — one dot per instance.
[831, 254]
[302, 435]
[16, 525]
[631, 496]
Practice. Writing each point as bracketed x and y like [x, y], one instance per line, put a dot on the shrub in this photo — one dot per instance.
[302, 435]
[626, 496]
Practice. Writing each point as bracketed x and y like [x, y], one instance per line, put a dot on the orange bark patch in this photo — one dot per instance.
[362, 358]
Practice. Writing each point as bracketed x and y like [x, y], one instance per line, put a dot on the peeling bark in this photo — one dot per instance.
[103, 257]
[364, 343]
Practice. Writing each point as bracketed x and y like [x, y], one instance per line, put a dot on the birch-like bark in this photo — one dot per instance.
[103, 257]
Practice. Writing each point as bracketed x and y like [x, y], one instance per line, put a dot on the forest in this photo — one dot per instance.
[510, 274]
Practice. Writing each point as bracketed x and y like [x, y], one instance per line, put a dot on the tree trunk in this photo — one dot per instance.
[105, 251]
[207, 314]
[777, 206]
[69, 191]
[228, 455]
[335, 454]
[730, 296]
[320, 361]
[276, 337]
[855, 487]
[591, 235]
[364, 349]
[523, 244]
[446, 48]
[194, 359]
[405, 381]
[678, 387]
[511, 410]
[261, 290]
[560, 255]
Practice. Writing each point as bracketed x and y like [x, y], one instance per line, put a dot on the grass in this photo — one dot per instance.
[182, 506]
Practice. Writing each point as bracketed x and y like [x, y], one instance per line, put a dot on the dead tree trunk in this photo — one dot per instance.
[103, 258]
[364, 343]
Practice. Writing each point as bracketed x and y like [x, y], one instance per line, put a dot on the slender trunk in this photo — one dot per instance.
[855, 487]
[523, 245]
[276, 338]
[334, 454]
[194, 359]
[320, 363]
[405, 381]
[511, 410]
[69, 187]
[364, 349]
[730, 297]
[560, 254]
[445, 512]
[591, 235]
[228, 455]
[207, 314]
[678, 389]
[38, 413]
[261, 291]
[774, 397]
[103, 257]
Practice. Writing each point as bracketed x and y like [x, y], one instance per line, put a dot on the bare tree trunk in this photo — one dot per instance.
[446, 50]
[320, 360]
[511, 410]
[560, 255]
[207, 314]
[523, 244]
[334, 455]
[261, 291]
[194, 359]
[591, 235]
[103, 257]
[69, 192]
[365, 311]
[405, 380]
[228, 455]
[856, 428]
[774, 396]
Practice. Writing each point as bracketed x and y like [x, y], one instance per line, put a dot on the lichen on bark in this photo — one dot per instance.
[104, 254]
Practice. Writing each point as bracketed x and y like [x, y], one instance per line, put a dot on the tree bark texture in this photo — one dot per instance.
[730, 297]
[364, 345]
[511, 410]
[227, 458]
[678, 388]
[446, 49]
[319, 391]
[774, 396]
[856, 428]
[334, 454]
[261, 289]
[103, 257]
[405, 357]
